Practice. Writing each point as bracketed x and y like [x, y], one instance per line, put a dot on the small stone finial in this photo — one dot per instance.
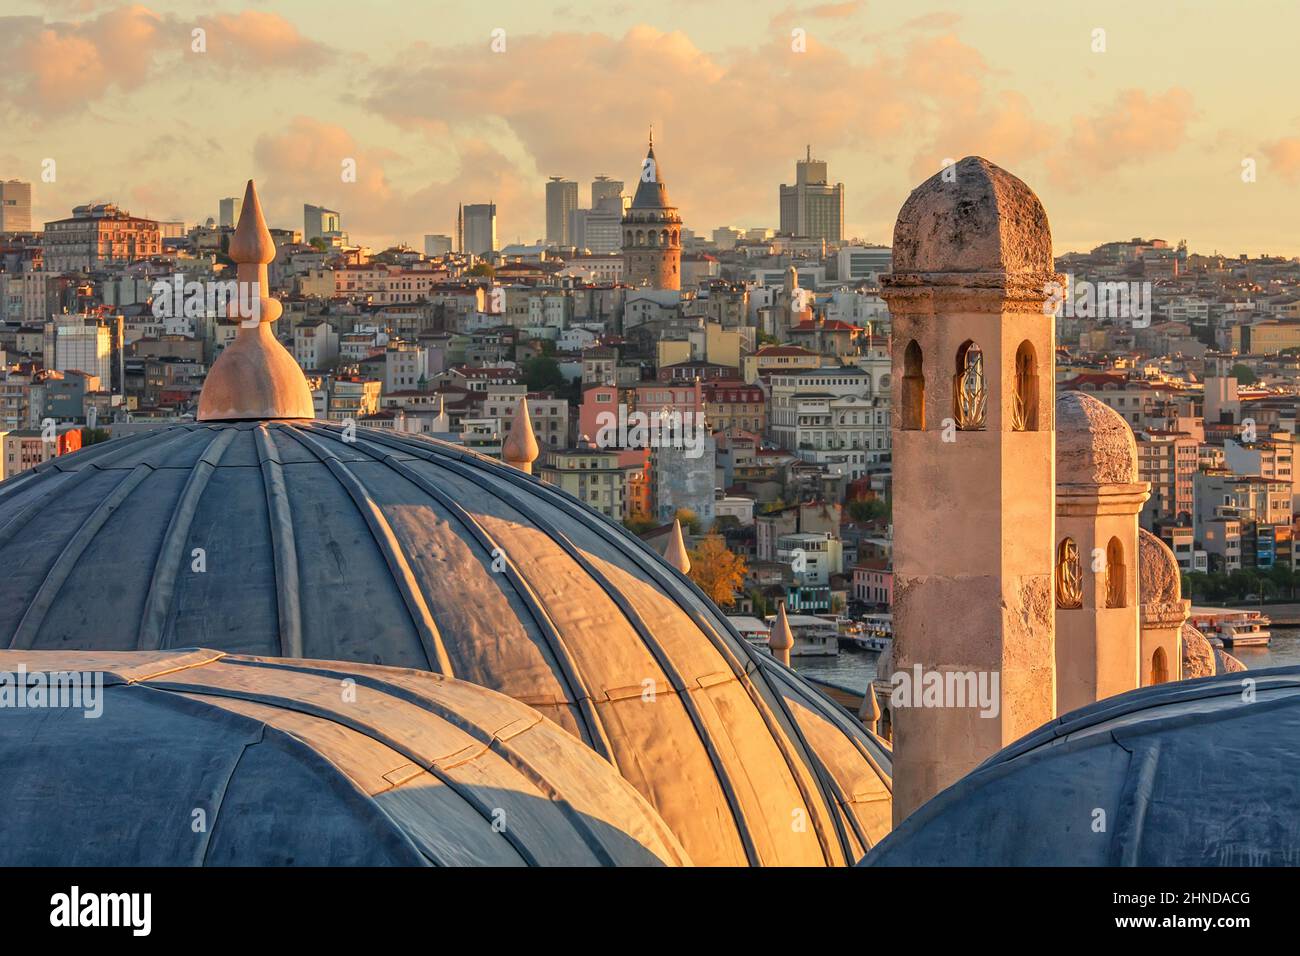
[255, 377]
[675, 554]
[520, 448]
[781, 639]
[869, 712]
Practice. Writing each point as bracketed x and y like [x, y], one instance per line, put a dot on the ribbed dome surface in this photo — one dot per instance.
[283, 539]
[304, 763]
[1188, 773]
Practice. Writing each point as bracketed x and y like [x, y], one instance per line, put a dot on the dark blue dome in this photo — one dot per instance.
[191, 758]
[285, 539]
[1190, 773]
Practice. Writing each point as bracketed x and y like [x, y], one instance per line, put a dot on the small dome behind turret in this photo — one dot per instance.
[1094, 445]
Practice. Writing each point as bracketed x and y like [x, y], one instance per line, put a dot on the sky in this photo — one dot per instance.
[1170, 120]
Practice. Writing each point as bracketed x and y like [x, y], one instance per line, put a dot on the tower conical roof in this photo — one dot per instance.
[651, 192]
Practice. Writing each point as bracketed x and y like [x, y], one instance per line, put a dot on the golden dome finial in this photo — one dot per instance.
[255, 377]
[520, 448]
[675, 553]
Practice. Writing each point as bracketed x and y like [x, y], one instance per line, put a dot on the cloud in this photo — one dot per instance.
[1136, 127]
[61, 66]
[256, 40]
[302, 162]
[729, 125]
[1283, 157]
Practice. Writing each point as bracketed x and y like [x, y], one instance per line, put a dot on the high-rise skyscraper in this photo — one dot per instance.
[652, 232]
[229, 211]
[317, 221]
[561, 201]
[602, 187]
[15, 206]
[436, 244]
[812, 207]
[480, 228]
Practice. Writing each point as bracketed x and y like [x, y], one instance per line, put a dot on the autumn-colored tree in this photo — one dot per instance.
[717, 571]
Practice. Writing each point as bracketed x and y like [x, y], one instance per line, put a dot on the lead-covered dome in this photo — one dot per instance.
[1094, 445]
[973, 216]
[1188, 773]
[297, 539]
[193, 758]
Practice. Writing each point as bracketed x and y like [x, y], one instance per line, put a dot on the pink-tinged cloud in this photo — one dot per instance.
[1283, 156]
[728, 126]
[304, 161]
[1134, 129]
[58, 67]
[263, 41]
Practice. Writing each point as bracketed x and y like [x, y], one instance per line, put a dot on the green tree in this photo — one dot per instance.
[542, 373]
[868, 509]
[482, 269]
[1243, 374]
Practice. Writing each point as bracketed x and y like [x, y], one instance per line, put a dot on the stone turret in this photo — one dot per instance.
[973, 451]
[1098, 497]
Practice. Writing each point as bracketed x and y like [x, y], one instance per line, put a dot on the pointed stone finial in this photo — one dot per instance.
[781, 639]
[675, 554]
[869, 712]
[520, 448]
[255, 377]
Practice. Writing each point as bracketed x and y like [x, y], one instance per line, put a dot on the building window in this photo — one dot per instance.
[970, 394]
[1115, 575]
[1069, 575]
[1024, 402]
[913, 388]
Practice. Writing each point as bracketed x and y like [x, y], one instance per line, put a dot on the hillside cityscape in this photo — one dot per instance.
[756, 361]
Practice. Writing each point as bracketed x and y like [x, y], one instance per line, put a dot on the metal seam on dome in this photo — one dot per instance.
[794, 735]
[785, 736]
[284, 548]
[75, 478]
[25, 635]
[386, 541]
[465, 791]
[577, 688]
[484, 735]
[159, 601]
[656, 651]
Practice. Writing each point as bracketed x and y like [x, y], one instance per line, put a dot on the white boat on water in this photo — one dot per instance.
[1232, 627]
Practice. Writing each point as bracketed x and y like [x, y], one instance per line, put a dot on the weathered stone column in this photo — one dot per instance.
[974, 472]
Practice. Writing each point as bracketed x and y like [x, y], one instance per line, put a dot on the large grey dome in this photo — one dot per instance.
[282, 538]
[196, 758]
[1188, 773]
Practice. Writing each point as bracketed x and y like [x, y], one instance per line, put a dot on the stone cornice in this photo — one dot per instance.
[1103, 499]
[968, 291]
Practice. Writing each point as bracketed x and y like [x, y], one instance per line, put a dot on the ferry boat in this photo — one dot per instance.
[871, 632]
[1232, 627]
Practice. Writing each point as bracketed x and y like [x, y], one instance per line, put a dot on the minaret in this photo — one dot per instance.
[974, 472]
[652, 232]
[255, 377]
